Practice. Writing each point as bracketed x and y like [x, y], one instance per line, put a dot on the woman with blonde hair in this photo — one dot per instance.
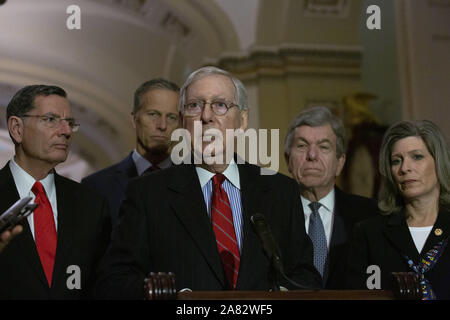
[412, 232]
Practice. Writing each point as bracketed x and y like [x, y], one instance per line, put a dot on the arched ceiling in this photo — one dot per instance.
[121, 44]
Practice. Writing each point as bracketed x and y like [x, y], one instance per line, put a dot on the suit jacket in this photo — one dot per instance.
[112, 184]
[348, 210]
[383, 240]
[164, 227]
[82, 237]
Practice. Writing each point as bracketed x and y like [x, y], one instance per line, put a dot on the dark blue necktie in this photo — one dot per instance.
[152, 168]
[317, 234]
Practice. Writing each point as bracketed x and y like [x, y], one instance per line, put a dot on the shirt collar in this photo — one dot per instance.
[143, 164]
[24, 181]
[327, 202]
[231, 173]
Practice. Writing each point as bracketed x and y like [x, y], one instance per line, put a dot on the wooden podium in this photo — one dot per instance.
[288, 295]
[161, 286]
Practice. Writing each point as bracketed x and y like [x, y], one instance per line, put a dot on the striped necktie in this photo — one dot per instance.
[222, 222]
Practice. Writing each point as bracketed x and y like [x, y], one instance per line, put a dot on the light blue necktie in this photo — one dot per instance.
[318, 238]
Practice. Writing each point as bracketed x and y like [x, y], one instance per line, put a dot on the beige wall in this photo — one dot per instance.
[423, 30]
[305, 54]
[282, 98]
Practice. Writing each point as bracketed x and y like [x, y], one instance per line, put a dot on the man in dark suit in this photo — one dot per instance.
[57, 252]
[315, 153]
[194, 219]
[155, 116]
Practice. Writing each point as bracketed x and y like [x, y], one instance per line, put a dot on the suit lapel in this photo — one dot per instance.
[341, 223]
[339, 230]
[126, 171]
[192, 214]
[439, 232]
[397, 232]
[7, 188]
[25, 240]
[253, 194]
[67, 223]
[186, 199]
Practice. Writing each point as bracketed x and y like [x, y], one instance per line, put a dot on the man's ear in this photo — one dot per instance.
[244, 119]
[286, 157]
[133, 120]
[341, 163]
[16, 128]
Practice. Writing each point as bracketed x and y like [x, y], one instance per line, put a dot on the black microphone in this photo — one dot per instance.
[271, 249]
[269, 244]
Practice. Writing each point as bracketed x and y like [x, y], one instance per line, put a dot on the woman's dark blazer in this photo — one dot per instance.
[382, 240]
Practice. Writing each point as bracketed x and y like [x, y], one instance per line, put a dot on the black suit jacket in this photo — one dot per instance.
[83, 234]
[164, 226]
[112, 184]
[382, 240]
[349, 209]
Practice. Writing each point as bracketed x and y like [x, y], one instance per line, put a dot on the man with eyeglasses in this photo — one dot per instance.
[194, 220]
[55, 255]
[154, 117]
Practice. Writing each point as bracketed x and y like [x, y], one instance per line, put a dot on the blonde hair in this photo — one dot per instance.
[390, 199]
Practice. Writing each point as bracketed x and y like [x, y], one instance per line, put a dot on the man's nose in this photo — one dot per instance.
[162, 123]
[65, 128]
[311, 153]
[207, 113]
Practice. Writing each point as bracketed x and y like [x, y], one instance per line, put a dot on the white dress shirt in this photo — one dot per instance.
[326, 212]
[420, 235]
[24, 182]
[143, 164]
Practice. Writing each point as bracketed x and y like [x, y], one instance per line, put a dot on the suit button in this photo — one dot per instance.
[438, 232]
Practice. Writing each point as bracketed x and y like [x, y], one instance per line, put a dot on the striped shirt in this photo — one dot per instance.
[232, 187]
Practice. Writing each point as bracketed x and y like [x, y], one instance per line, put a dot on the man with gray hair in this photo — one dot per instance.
[195, 219]
[154, 117]
[315, 153]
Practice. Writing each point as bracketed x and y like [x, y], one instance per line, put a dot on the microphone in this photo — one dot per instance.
[270, 247]
[271, 250]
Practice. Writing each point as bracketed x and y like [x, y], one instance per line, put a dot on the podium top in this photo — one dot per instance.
[288, 295]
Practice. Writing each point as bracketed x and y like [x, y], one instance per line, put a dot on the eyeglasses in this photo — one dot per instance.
[219, 107]
[53, 121]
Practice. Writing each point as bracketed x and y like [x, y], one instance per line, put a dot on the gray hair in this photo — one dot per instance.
[240, 92]
[390, 199]
[316, 117]
[158, 83]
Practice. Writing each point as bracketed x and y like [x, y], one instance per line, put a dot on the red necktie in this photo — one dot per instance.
[44, 231]
[222, 220]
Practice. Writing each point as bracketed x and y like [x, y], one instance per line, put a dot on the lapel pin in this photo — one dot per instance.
[438, 232]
